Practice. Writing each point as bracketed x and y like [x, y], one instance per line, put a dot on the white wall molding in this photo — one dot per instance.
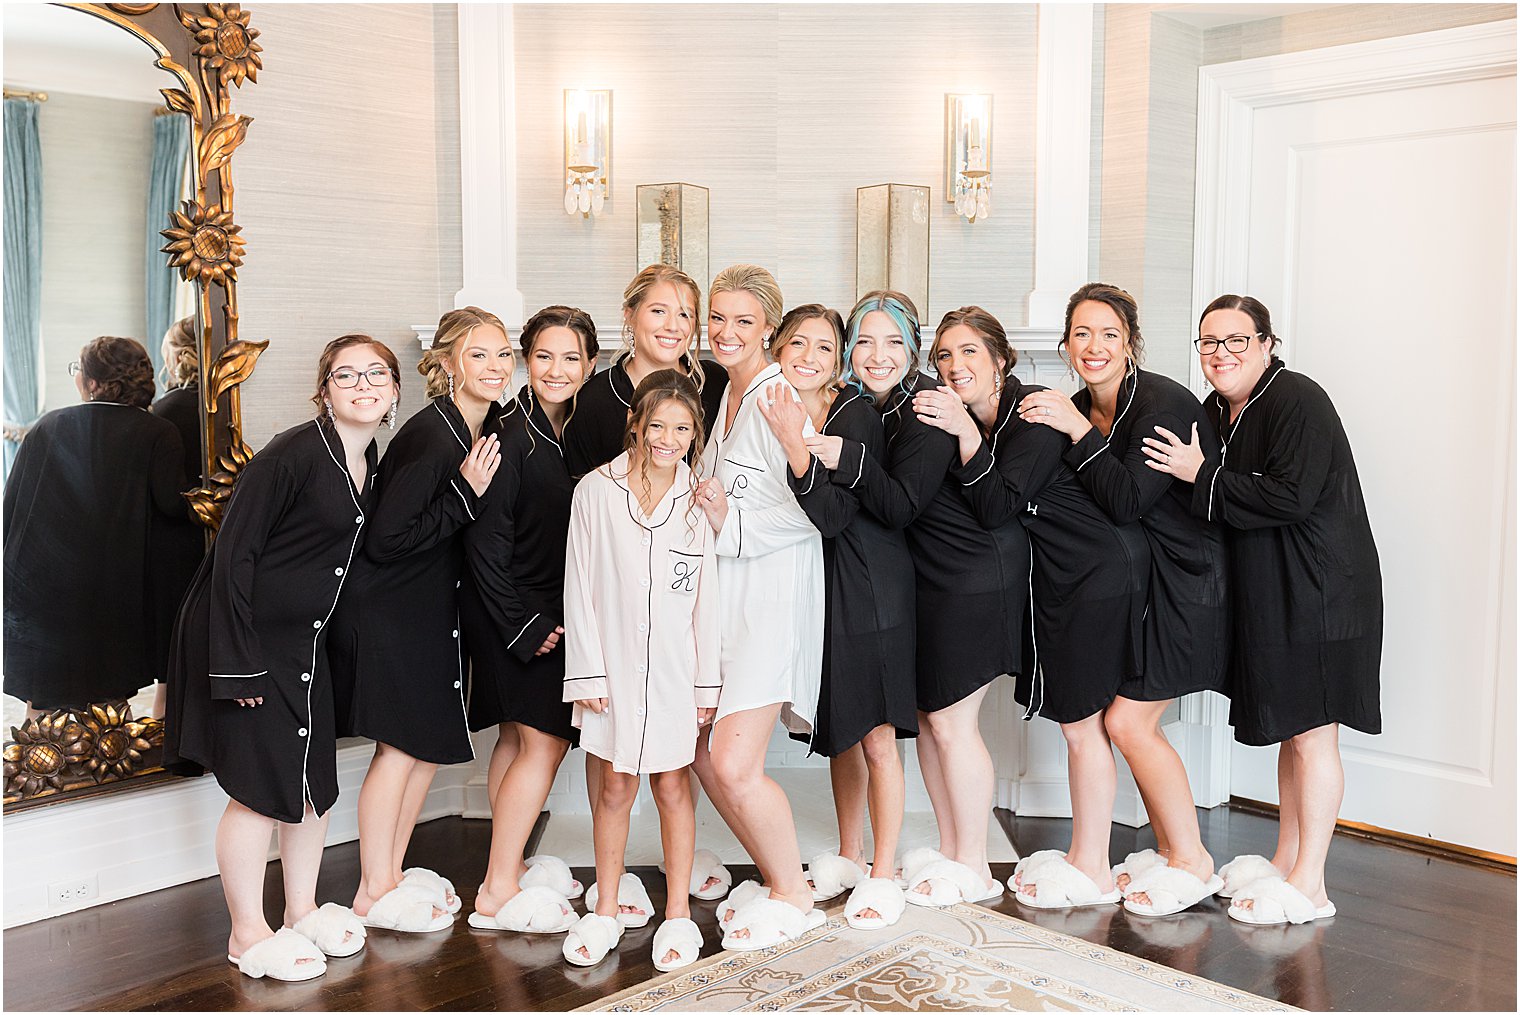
[488, 160]
[1063, 152]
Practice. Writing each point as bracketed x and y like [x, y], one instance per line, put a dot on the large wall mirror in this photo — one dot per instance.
[118, 222]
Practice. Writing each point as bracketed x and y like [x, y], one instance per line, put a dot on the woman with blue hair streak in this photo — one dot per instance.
[971, 592]
[867, 696]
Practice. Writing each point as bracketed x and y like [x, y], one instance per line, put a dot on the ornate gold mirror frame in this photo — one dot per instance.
[68, 753]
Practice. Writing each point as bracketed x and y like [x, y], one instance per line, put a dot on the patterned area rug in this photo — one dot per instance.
[964, 958]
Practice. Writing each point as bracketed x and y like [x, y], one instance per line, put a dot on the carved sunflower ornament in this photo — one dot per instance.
[225, 43]
[119, 740]
[204, 244]
[41, 752]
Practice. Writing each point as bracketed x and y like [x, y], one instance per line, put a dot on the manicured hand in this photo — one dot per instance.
[250, 702]
[597, 705]
[785, 414]
[1174, 456]
[1055, 409]
[705, 715]
[941, 407]
[825, 449]
[713, 501]
[480, 464]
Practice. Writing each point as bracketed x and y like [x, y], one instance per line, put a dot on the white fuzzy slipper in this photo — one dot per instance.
[743, 893]
[1026, 867]
[1059, 885]
[1274, 901]
[552, 873]
[770, 922]
[706, 865]
[681, 936]
[1136, 864]
[1171, 890]
[421, 877]
[831, 875]
[949, 882]
[408, 909]
[279, 958]
[597, 934]
[880, 894]
[1243, 870]
[536, 910]
[630, 893]
[332, 928]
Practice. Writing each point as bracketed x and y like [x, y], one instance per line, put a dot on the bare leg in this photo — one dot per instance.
[1319, 784]
[417, 786]
[1094, 782]
[609, 831]
[1287, 810]
[1135, 728]
[762, 816]
[519, 801]
[678, 838]
[966, 770]
[501, 757]
[886, 792]
[847, 777]
[380, 803]
[242, 853]
[594, 766]
[300, 860]
[160, 699]
[934, 781]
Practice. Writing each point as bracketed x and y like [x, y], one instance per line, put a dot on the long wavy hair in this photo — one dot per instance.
[900, 309]
[654, 391]
[633, 297]
[453, 328]
[560, 316]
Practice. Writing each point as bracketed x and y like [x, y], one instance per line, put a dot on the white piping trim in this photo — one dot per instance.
[860, 471]
[524, 629]
[1234, 426]
[348, 566]
[454, 485]
[239, 676]
[450, 423]
[1134, 372]
[1096, 453]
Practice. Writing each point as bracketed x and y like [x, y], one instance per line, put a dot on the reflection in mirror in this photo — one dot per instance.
[99, 544]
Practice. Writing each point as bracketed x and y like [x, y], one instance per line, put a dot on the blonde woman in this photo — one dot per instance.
[770, 567]
[395, 644]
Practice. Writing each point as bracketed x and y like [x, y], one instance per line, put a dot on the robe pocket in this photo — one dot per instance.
[742, 476]
[683, 570]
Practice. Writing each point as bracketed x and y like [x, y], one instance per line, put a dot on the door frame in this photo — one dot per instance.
[1229, 94]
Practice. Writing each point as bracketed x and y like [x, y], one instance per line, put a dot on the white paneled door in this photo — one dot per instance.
[1367, 195]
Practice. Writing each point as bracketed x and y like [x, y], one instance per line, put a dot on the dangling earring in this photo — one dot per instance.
[330, 417]
[1266, 358]
[997, 389]
[451, 386]
[390, 417]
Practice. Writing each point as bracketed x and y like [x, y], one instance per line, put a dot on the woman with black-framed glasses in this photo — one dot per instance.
[1306, 584]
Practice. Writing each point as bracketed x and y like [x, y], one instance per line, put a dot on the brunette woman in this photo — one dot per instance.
[1185, 637]
[513, 610]
[1306, 587]
[770, 568]
[1087, 583]
[251, 697]
[867, 697]
[89, 484]
[397, 639]
[642, 659]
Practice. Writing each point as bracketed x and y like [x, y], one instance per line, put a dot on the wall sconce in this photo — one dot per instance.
[968, 155]
[672, 227]
[892, 241]
[588, 151]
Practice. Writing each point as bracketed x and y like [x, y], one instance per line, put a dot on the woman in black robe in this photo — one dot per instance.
[1304, 577]
[512, 602]
[972, 594]
[660, 332]
[867, 692]
[1087, 578]
[395, 641]
[251, 697]
[1185, 635]
[86, 487]
[177, 544]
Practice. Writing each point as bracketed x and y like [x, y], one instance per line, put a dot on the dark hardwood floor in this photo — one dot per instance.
[1414, 932]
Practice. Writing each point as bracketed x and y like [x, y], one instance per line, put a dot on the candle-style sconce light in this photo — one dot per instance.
[588, 151]
[892, 241]
[672, 227]
[968, 155]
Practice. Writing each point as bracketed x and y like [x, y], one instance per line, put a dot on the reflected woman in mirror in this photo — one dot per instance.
[512, 605]
[867, 698]
[177, 543]
[86, 486]
[396, 642]
[770, 568]
[251, 698]
[1186, 638]
[1306, 587]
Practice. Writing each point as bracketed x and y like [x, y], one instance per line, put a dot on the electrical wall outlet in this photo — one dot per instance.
[73, 890]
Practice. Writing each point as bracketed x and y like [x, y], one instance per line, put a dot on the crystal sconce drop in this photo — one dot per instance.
[588, 151]
[968, 155]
